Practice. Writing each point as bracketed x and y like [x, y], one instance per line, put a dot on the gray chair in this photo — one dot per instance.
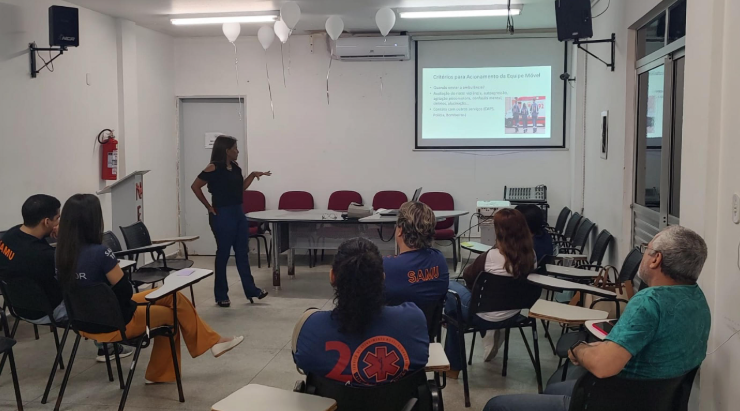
[570, 228]
[580, 237]
[560, 223]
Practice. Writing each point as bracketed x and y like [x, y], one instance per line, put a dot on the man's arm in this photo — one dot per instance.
[603, 359]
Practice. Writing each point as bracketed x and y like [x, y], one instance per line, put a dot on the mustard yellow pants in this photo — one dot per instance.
[199, 337]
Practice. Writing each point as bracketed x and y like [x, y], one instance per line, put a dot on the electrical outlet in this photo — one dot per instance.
[736, 208]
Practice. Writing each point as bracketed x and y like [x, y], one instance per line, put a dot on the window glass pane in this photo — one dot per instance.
[675, 205]
[651, 37]
[677, 21]
[649, 137]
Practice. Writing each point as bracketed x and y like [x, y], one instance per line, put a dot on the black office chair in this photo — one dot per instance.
[137, 235]
[619, 394]
[140, 276]
[578, 242]
[26, 295]
[98, 305]
[411, 392]
[598, 250]
[497, 293]
[560, 223]
[6, 349]
[570, 228]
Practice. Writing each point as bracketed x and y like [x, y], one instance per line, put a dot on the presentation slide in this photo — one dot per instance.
[489, 94]
[487, 103]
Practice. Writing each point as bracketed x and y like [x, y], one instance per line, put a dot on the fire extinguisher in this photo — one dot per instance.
[108, 155]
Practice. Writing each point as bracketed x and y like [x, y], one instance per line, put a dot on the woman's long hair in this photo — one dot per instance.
[514, 241]
[222, 143]
[358, 285]
[81, 224]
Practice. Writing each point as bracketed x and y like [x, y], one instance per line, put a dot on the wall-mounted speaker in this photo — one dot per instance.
[64, 26]
[573, 19]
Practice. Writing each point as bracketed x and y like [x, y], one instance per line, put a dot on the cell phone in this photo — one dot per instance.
[606, 326]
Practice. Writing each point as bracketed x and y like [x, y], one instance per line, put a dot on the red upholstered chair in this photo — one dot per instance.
[255, 201]
[296, 200]
[446, 229]
[340, 200]
[389, 199]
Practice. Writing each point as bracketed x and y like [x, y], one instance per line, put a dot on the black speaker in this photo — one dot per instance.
[573, 19]
[64, 26]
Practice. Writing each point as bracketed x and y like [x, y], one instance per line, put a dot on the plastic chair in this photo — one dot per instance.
[599, 249]
[570, 228]
[580, 237]
[560, 223]
[138, 277]
[412, 392]
[497, 293]
[618, 394]
[254, 201]
[137, 235]
[98, 305]
[443, 232]
[340, 200]
[389, 199]
[6, 348]
[25, 294]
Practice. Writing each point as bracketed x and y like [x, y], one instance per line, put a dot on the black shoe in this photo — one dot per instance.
[262, 295]
[224, 304]
[123, 352]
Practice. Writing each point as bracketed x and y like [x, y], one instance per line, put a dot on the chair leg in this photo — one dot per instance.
[537, 367]
[67, 373]
[322, 255]
[565, 370]
[259, 253]
[546, 327]
[16, 386]
[36, 331]
[130, 377]
[466, 386]
[118, 365]
[472, 348]
[57, 360]
[11, 335]
[192, 296]
[269, 252]
[107, 362]
[526, 344]
[506, 352]
[454, 255]
[177, 369]
[56, 344]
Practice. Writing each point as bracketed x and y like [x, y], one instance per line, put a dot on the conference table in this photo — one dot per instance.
[326, 230]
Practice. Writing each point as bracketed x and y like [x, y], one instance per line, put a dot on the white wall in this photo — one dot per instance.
[709, 178]
[48, 125]
[363, 140]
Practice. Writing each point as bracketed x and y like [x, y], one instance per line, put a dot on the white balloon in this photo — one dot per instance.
[231, 31]
[282, 31]
[266, 36]
[334, 27]
[290, 13]
[385, 18]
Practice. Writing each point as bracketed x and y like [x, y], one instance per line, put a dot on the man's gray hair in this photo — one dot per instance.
[684, 253]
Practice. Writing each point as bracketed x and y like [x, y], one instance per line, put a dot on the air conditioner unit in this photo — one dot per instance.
[391, 48]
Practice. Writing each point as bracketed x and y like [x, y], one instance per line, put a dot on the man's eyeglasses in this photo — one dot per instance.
[644, 247]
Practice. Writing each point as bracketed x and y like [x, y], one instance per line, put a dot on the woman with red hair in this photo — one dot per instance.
[512, 256]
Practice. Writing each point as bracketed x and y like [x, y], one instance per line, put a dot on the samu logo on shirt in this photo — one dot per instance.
[423, 275]
[377, 360]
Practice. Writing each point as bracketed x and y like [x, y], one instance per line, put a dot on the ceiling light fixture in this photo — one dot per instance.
[448, 12]
[264, 18]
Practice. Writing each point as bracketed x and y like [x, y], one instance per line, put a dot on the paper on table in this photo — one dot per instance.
[185, 272]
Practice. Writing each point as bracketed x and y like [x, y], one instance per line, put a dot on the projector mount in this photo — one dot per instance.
[33, 50]
[612, 40]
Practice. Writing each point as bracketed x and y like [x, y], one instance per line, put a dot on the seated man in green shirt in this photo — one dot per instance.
[662, 334]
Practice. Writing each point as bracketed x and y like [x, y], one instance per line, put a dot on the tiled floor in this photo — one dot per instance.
[263, 358]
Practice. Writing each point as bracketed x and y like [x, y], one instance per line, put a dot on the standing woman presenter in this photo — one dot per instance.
[226, 217]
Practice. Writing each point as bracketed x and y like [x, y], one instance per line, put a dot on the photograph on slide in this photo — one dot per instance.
[526, 115]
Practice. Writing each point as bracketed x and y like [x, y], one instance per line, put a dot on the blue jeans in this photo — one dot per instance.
[60, 315]
[555, 398]
[452, 343]
[231, 229]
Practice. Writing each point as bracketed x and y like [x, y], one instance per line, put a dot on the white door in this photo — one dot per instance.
[198, 118]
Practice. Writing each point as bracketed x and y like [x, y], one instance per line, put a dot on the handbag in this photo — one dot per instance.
[624, 290]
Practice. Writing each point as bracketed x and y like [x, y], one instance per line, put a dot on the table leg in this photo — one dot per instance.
[276, 255]
[291, 263]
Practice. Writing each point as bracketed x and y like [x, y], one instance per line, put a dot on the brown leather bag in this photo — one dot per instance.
[624, 291]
